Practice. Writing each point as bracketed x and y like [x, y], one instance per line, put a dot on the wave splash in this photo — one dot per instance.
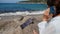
[22, 13]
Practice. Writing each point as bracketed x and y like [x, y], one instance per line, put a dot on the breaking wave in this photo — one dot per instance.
[22, 13]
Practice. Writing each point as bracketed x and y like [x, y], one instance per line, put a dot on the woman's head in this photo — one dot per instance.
[55, 3]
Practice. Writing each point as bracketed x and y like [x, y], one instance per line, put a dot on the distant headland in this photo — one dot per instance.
[31, 2]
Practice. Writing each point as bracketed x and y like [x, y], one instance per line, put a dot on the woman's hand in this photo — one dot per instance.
[46, 15]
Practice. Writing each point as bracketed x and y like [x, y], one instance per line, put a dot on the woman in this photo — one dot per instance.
[51, 27]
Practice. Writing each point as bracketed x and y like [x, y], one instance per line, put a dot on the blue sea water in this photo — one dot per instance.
[13, 7]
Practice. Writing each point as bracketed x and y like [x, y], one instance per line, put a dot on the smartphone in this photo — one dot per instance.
[52, 10]
[25, 24]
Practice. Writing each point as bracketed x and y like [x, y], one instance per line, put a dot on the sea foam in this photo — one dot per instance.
[22, 13]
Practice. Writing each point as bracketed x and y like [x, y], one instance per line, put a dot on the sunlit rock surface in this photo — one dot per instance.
[11, 24]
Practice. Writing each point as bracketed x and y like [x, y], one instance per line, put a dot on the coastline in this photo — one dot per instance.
[22, 13]
[31, 2]
[11, 24]
[10, 21]
[13, 15]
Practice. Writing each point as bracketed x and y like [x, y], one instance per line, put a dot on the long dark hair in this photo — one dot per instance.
[50, 2]
[58, 8]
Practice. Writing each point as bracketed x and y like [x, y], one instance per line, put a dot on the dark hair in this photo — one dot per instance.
[58, 8]
[50, 2]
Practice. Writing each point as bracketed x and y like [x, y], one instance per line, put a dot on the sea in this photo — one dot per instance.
[16, 7]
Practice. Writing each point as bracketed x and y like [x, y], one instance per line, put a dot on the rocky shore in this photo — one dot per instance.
[11, 24]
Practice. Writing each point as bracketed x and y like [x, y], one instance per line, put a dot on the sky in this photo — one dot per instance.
[10, 1]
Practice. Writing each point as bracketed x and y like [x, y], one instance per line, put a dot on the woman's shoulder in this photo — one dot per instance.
[57, 18]
[55, 21]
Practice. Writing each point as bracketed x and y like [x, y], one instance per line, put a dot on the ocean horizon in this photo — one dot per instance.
[14, 7]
